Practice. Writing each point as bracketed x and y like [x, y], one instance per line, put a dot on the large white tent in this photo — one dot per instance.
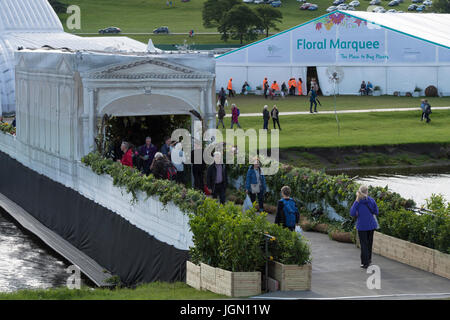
[396, 52]
[33, 24]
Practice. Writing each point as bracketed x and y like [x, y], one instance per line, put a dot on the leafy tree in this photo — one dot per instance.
[58, 6]
[214, 11]
[241, 23]
[269, 17]
[442, 6]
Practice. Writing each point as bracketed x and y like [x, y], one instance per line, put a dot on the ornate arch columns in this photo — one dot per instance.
[145, 87]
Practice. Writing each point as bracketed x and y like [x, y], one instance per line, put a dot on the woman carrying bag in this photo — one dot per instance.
[255, 184]
[365, 210]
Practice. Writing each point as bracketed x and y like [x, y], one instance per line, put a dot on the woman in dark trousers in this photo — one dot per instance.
[255, 184]
[274, 114]
[280, 218]
[365, 210]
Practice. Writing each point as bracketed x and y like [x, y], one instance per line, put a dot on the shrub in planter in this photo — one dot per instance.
[221, 234]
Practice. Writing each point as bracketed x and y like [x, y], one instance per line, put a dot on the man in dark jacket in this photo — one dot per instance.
[198, 166]
[280, 218]
[216, 178]
[146, 154]
[274, 114]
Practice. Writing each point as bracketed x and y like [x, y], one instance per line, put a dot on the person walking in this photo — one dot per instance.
[198, 165]
[287, 211]
[216, 178]
[266, 117]
[265, 87]
[299, 86]
[146, 154]
[178, 160]
[221, 114]
[222, 97]
[426, 110]
[230, 88]
[365, 210]
[235, 116]
[275, 117]
[255, 184]
[127, 158]
[312, 100]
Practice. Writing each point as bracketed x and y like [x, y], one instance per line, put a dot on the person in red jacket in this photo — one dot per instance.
[127, 158]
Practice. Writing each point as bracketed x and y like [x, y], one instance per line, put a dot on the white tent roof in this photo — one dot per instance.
[33, 24]
[29, 16]
[432, 27]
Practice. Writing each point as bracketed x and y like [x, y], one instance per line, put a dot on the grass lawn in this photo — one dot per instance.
[152, 291]
[145, 15]
[365, 129]
[255, 104]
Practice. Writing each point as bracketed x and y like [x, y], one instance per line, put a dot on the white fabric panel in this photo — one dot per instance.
[405, 79]
[352, 78]
[443, 81]
[224, 73]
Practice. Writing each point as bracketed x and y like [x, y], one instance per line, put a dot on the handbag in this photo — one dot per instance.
[255, 188]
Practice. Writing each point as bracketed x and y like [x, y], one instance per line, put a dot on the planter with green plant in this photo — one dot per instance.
[417, 92]
[376, 91]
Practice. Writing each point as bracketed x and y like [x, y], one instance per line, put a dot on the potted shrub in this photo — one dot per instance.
[417, 92]
[377, 91]
[259, 90]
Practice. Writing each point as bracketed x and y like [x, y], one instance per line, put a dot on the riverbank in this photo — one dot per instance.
[363, 160]
[150, 291]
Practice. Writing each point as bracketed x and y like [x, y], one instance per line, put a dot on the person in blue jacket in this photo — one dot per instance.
[365, 210]
[255, 184]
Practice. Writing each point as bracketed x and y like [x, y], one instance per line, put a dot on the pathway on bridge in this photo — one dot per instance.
[336, 274]
[340, 111]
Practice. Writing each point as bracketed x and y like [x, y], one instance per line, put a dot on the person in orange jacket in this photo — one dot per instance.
[274, 88]
[292, 86]
[230, 87]
[299, 86]
[265, 87]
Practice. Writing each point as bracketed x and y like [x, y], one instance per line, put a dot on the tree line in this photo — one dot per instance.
[237, 21]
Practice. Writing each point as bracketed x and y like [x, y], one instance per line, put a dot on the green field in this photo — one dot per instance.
[142, 16]
[255, 104]
[361, 129]
[152, 291]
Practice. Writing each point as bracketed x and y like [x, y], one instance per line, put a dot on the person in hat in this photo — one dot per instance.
[365, 210]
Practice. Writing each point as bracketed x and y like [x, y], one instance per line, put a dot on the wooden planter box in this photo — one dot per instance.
[291, 277]
[232, 284]
[411, 254]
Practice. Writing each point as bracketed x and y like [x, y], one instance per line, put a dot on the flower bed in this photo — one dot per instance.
[7, 128]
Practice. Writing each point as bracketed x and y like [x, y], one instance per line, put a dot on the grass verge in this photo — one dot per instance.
[151, 291]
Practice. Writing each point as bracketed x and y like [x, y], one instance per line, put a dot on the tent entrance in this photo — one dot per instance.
[311, 74]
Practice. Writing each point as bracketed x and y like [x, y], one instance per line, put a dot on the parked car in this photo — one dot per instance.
[342, 6]
[258, 1]
[412, 7]
[110, 30]
[416, 1]
[161, 30]
[392, 11]
[331, 9]
[276, 4]
[374, 2]
[354, 3]
[313, 7]
[247, 1]
[421, 8]
[305, 6]
[338, 2]
[301, 1]
[428, 2]
[393, 3]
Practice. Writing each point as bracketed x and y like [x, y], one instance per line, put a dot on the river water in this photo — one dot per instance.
[418, 187]
[26, 263]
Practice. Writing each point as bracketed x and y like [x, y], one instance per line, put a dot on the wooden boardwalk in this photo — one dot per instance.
[87, 265]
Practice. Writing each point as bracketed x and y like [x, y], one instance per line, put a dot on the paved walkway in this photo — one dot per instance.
[336, 274]
[340, 111]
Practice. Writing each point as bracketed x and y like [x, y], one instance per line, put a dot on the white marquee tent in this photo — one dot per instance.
[33, 24]
[396, 52]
